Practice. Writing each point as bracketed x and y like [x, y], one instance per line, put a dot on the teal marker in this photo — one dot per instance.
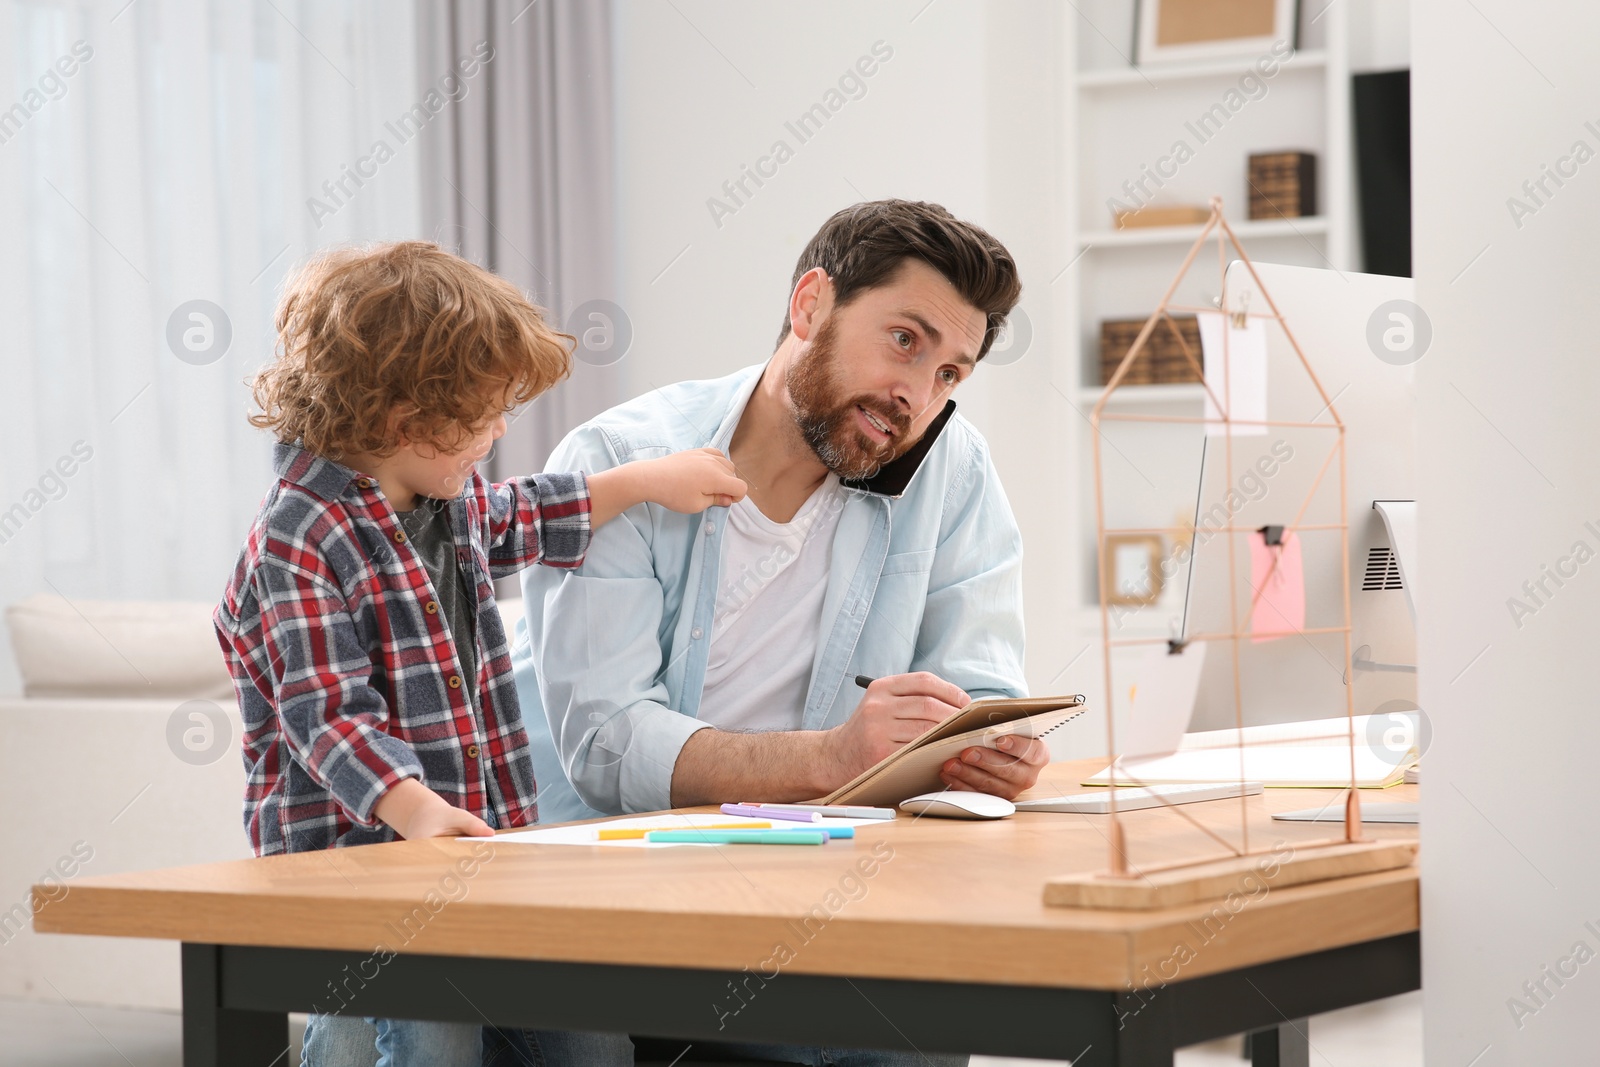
[738, 837]
[831, 831]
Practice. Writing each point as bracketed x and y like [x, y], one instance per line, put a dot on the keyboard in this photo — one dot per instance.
[1132, 798]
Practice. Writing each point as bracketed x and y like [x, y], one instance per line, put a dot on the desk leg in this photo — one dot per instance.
[1285, 1045]
[214, 1036]
[1143, 1035]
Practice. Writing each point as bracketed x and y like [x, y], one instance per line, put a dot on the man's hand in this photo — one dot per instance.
[414, 811]
[897, 709]
[1005, 770]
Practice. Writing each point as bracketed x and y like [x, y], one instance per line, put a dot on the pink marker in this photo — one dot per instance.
[770, 813]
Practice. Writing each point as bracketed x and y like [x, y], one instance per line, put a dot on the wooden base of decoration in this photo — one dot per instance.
[1243, 875]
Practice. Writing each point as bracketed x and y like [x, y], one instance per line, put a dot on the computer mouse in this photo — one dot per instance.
[959, 804]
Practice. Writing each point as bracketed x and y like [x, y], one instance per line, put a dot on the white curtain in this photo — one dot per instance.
[520, 178]
[153, 153]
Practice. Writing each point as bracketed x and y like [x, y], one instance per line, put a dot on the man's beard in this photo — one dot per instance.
[828, 423]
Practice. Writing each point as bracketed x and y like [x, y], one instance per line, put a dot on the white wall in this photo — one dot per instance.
[1507, 460]
[963, 114]
[1380, 33]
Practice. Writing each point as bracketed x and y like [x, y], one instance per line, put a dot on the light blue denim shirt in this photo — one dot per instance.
[926, 575]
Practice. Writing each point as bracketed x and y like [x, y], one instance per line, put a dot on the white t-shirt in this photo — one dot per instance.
[773, 578]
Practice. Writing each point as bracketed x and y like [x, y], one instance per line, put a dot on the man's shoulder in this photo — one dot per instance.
[964, 454]
[966, 440]
[672, 418]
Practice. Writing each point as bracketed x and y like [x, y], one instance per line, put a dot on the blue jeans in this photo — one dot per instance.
[414, 1043]
[351, 1041]
[340, 1041]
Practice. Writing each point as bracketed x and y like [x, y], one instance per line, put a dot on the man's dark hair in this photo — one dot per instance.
[863, 246]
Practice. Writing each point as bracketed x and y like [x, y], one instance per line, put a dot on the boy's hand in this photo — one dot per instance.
[414, 810]
[684, 481]
[693, 481]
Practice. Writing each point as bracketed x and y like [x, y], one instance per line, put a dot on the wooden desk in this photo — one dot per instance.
[926, 934]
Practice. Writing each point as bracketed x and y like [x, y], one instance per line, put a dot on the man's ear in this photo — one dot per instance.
[813, 294]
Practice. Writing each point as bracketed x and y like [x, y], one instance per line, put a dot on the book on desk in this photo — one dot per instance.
[914, 769]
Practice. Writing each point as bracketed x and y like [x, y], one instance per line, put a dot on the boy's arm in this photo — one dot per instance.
[329, 714]
[688, 482]
[543, 518]
[549, 518]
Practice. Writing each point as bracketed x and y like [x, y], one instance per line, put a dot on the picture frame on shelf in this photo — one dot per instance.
[1133, 563]
[1186, 31]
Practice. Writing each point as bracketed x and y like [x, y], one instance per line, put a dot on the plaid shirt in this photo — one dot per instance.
[347, 677]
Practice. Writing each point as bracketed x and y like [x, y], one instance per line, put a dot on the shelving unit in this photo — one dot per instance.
[1173, 73]
[1188, 394]
[1181, 237]
[1119, 123]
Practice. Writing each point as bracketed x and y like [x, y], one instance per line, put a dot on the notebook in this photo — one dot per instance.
[1307, 755]
[914, 769]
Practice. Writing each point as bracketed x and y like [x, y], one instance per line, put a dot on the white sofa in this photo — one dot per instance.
[122, 755]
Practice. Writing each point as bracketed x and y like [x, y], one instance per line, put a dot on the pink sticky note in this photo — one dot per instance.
[1279, 591]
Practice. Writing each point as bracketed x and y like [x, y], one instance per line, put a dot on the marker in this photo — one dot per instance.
[838, 811]
[769, 813]
[831, 831]
[637, 833]
[737, 837]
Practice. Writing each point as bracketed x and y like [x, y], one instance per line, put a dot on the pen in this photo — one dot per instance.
[637, 833]
[863, 680]
[768, 813]
[737, 837]
[838, 811]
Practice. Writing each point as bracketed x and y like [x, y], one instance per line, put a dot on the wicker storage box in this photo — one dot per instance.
[1160, 361]
[1283, 185]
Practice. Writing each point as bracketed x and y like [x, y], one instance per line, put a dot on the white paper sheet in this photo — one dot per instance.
[588, 834]
[1163, 699]
[1244, 386]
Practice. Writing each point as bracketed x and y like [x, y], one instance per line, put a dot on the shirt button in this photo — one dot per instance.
[431, 607]
[455, 681]
[695, 633]
[472, 751]
[400, 537]
[711, 528]
[365, 483]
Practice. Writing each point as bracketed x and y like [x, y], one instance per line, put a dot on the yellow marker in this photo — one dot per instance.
[637, 833]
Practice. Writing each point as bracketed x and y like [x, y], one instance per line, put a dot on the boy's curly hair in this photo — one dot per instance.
[403, 329]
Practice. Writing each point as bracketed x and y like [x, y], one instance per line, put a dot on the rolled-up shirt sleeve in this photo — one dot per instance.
[543, 518]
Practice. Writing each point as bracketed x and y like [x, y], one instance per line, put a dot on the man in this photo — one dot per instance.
[711, 658]
[699, 659]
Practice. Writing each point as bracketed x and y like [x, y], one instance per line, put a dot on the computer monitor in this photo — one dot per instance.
[1340, 320]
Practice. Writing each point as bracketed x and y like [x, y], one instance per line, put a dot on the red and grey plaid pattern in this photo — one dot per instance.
[347, 677]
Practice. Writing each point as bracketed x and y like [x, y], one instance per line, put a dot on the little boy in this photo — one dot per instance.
[373, 671]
